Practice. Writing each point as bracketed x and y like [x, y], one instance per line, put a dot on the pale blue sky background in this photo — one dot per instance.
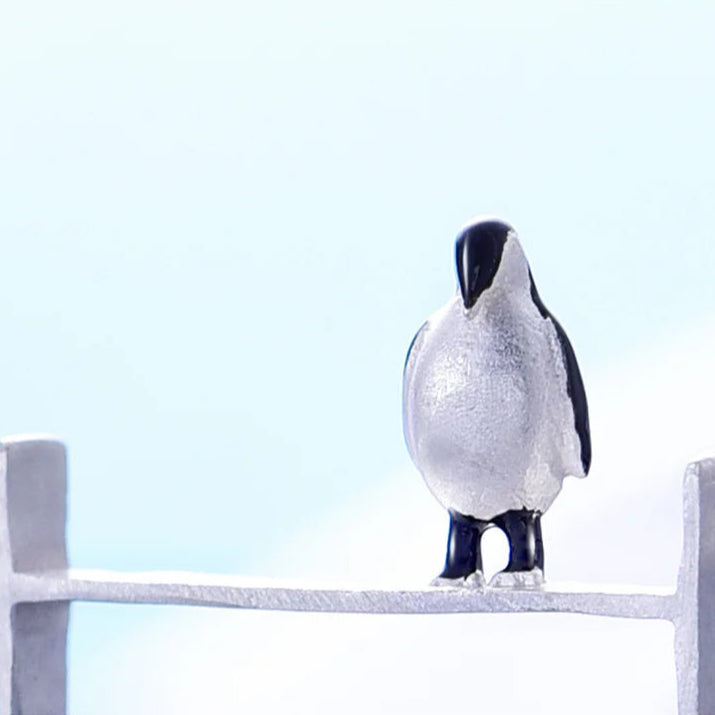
[222, 223]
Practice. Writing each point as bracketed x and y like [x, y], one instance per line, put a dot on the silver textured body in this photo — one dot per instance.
[487, 416]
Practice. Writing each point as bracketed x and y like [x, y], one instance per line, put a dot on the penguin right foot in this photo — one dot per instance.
[473, 580]
[532, 579]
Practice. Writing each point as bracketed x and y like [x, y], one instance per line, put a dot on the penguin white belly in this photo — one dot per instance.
[488, 419]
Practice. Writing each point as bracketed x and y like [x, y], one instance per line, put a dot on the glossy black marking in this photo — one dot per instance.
[412, 345]
[574, 381]
[478, 251]
[464, 555]
[523, 529]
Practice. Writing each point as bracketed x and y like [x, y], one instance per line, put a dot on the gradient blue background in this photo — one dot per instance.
[222, 223]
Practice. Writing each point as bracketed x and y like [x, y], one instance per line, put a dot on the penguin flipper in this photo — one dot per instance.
[577, 393]
[574, 381]
[418, 334]
[407, 386]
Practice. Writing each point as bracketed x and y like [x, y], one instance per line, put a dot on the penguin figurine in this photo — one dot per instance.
[494, 408]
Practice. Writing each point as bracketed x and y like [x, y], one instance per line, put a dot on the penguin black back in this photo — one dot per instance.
[575, 387]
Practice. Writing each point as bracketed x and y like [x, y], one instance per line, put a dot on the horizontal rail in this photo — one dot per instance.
[189, 589]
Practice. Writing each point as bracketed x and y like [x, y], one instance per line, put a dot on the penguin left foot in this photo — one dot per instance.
[533, 579]
[474, 580]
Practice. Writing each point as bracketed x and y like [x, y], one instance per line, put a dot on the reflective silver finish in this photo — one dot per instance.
[487, 417]
[186, 589]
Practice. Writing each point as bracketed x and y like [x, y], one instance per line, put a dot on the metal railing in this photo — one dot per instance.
[37, 587]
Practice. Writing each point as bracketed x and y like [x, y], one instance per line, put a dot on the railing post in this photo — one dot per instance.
[33, 487]
[695, 619]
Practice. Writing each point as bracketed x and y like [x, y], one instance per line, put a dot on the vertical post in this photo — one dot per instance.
[695, 619]
[33, 486]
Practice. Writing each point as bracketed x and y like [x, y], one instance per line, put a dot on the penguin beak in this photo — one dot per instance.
[477, 264]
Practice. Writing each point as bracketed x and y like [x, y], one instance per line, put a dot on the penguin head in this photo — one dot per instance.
[480, 248]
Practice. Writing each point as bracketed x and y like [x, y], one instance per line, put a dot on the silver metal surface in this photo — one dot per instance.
[225, 591]
[694, 616]
[487, 416]
[36, 588]
[33, 489]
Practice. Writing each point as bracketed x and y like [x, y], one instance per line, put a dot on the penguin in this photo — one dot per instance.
[494, 408]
